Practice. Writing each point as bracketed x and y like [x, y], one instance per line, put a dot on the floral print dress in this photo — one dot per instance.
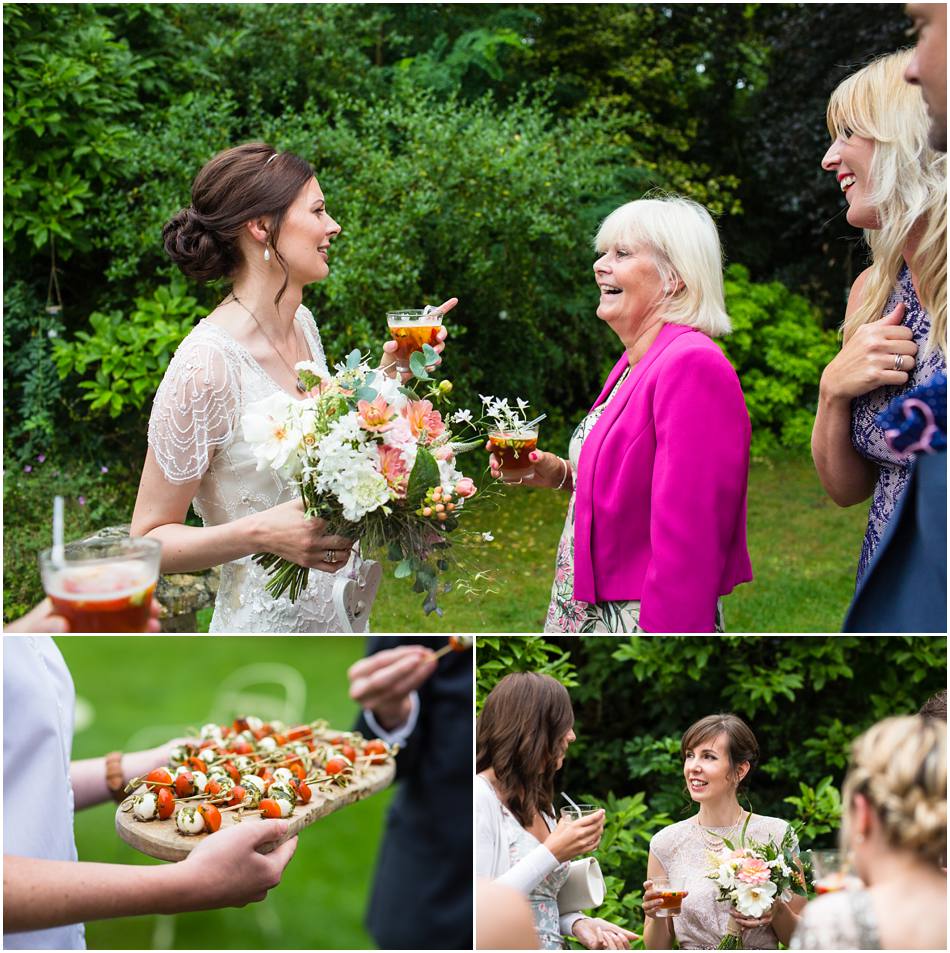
[867, 436]
[565, 613]
[543, 897]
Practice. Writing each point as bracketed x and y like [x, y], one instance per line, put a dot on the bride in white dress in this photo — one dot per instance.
[259, 218]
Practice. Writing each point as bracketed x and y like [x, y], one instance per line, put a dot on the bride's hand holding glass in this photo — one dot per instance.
[388, 362]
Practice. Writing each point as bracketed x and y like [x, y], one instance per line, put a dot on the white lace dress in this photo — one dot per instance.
[195, 432]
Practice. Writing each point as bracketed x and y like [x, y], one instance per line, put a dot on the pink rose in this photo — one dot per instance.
[465, 487]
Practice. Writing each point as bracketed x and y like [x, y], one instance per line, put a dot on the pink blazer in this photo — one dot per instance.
[660, 510]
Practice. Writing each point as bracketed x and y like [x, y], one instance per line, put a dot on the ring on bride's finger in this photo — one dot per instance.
[898, 361]
[331, 556]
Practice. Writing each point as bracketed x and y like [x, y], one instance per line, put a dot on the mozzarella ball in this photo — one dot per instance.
[189, 820]
[144, 806]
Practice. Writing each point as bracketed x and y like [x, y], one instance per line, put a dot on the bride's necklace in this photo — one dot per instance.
[300, 384]
[715, 843]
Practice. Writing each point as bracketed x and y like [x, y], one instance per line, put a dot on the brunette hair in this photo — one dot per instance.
[237, 185]
[519, 735]
[900, 766]
[742, 744]
[935, 706]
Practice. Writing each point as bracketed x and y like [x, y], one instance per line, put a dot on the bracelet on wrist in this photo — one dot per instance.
[115, 776]
[567, 469]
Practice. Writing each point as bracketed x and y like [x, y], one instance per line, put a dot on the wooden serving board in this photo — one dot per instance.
[161, 839]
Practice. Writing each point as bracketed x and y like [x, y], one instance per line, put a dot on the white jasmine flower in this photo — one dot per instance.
[461, 417]
[488, 537]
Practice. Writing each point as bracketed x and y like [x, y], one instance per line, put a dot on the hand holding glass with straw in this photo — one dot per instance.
[100, 585]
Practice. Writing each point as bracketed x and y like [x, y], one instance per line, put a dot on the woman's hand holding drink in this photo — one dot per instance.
[411, 329]
[539, 467]
[662, 898]
[573, 837]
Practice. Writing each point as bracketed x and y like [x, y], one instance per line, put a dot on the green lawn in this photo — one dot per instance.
[137, 691]
[804, 554]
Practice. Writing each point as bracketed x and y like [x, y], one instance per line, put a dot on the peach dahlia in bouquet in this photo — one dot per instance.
[373, 458]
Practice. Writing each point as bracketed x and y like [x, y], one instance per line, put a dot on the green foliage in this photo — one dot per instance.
[498, 655]
[31, 387]
[818, 808]
[779, 349]
[128, 353]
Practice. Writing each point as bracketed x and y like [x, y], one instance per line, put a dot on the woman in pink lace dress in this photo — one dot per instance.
[719, 753]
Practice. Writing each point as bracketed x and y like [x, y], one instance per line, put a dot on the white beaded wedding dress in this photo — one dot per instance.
[195, 432]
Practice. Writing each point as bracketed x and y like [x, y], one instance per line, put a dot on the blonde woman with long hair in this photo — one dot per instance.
[895, 829]
[895, 327]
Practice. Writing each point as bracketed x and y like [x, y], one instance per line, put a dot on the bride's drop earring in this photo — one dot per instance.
[266, 253]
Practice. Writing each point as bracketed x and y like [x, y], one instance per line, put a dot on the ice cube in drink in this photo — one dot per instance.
[513, 447]
[412, 329]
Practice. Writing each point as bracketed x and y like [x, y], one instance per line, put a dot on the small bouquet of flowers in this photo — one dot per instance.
[375, 460]
[751, 877]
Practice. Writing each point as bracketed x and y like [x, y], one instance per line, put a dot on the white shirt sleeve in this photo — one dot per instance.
[400, 734]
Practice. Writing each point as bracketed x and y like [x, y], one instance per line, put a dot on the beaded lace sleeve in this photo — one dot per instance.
[195, 408]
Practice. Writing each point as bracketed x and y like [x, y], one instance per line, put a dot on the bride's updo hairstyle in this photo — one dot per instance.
[741, 744]
[900, 766]
[235, 187]
[519, 734]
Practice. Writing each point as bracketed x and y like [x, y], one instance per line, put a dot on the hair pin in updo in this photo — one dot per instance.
[271, 159]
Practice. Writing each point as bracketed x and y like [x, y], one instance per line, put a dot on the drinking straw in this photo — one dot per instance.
[528, 426]
[573, 805]
[58, 555]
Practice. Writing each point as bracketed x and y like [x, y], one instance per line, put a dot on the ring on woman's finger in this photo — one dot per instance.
[331, 557]
[898, 361]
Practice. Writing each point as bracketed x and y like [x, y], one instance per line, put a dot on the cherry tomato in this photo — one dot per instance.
[165, 804]
[237, 795]
[240, 724]
[185, 784]
[280, 739]
[196, 764]
[211, 815]
[299, 733]
[303, 792]
[338, 740]
[377, 750]
[336, 766]
[267, 776]
[260, 733]
[241, 746]
[233, 772]
[297, 770]
[159, 776]
[348, 752]
[269, 808]
[213, 788]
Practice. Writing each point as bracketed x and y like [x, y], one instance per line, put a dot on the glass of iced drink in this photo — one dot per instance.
[671, 892]
[103, 585]
[513, 447]
[411, 328]
[830, 872]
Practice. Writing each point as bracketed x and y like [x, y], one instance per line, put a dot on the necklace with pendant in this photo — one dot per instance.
[300, 384]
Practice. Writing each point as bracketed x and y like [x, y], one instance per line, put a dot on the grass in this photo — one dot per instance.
[804, 553]
[122, 704]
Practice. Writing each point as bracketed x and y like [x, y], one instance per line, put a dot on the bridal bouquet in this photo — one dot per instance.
[374, 459]
[752, 876]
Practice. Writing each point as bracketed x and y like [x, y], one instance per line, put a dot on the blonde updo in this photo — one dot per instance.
[900, 766]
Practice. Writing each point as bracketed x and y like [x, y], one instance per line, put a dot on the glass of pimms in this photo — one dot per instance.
[830, 872]
[103, 585]
[411, 328]
[513, 449]
[671, 892]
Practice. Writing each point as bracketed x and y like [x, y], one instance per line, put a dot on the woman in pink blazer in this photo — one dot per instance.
[658, 470]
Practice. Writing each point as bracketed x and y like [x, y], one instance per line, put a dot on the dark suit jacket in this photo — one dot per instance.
[905, 586]
[422, 891]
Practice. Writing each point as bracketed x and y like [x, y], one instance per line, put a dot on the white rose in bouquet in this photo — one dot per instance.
[753, 900]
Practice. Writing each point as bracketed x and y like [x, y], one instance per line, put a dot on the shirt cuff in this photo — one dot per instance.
[398, 735]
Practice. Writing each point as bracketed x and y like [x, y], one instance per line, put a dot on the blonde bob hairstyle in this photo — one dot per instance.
[908, 185]
[900, 766]
[683, 240]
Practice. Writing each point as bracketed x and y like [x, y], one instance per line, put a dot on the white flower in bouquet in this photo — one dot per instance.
[725, 871]
[273, 428]
[753, 900]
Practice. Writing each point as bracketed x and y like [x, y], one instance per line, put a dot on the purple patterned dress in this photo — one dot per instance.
[868, 438]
